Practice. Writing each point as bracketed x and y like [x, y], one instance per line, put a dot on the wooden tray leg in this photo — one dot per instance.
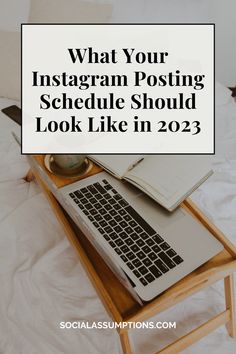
[124, 338]
[30, 176]
[229, 300]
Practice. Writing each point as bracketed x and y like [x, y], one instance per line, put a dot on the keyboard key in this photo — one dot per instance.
[144, 236]
[117, 196]
[132, 222]
[152, 256]
[102, 211]
[98, 196]
[96, 224]
[149, 277]
[150, 231]
[103, 201]
[130, 265]
[156, 248]
[155, 271]
[138, 229]
[78, 194]
[111, 201]
[88, 195]
[129, 241]
[101, 230]
[72, 195]
[146, 249]
[118, 218]
[98, 186]
[108, 187]
[112, 223]
[164, 246]
[83, 201]
[141, 255]
[117, 206]
[92, 189]
[107, 196]
[89, 216]
[105, 181]
[113, 235]
[177, 259]
[123, 224]
[117, 228]
[112, 244]
[124, 248]
[167, 260]
[93, 212]
[157, 238]
[122, 212]
[130, 255]
[114, 191]
[128, 230]
[84, 190]
[134, 236]
[143, 281]
[161, 266]
[81, 206]
[147, 262]
[150, 242]
[123, 235]
[128, 218]
[136, 262]
[108, 207]
[171, 253]
[136, 273]
[86, 212]
[98, 217]
[124, 258]
[97, 205]
[103, 223]
[106, 237]
[107, 217]
[135, 248]
[108, 229]
[88, 206]
[113, 212]
[143, 270]
[123, 203]
[140, 243]
[118, 251]
[93, 200]
[119, 242]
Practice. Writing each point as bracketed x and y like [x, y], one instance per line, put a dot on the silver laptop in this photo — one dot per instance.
[149, 248]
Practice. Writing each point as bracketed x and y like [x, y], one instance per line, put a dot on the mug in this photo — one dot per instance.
[68, 161]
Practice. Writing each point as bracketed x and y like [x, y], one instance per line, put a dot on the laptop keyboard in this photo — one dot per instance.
[140, 247]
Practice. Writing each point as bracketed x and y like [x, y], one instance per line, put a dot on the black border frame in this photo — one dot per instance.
[129, 24]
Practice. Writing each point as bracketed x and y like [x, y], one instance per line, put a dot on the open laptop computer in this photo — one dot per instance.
[148, 247]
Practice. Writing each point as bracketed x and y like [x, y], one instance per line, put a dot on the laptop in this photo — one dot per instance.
[147, 247]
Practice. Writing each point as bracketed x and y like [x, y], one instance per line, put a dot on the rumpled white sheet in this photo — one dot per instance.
[42, 281]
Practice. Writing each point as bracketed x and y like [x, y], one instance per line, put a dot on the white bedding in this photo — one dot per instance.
[43, 283]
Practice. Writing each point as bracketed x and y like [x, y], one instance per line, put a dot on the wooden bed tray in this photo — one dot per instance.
[117, 300]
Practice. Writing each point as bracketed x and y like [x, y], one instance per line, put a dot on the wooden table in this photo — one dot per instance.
[117, 300]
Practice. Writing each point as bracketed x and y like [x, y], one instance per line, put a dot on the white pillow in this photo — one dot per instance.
[161, 11]
[13, 13]
[68, 11]
[10, 65]
[223, 94]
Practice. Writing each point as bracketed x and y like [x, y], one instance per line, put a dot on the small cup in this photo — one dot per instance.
[68, 162]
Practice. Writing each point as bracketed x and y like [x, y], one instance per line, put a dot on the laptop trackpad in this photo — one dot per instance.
[156, 213]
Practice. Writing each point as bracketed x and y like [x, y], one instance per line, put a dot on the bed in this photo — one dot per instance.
[43, 282]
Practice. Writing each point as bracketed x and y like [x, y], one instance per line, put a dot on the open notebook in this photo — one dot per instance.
[168, 179]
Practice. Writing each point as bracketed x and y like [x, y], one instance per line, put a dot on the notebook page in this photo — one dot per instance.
[118, 165]
[169, 178]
